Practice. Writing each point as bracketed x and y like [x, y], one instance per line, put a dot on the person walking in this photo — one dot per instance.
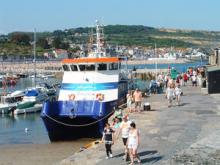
[170, 94]
[133, 143]
[185, 79]
[194, 80]
[116, 126]
[108, 139]
[124, 129]
[178, 92]
[118, 113]
[116, 123]
[137, 100]
[129, 101]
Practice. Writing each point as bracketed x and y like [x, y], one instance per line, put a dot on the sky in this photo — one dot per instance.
[49, 15]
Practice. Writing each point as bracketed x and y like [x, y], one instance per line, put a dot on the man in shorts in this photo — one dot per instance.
[124, 129]
[137, 100]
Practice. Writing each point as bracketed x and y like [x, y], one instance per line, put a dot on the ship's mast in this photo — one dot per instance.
[34, 47]
[99, 38]
[90, 41]
[99, 50]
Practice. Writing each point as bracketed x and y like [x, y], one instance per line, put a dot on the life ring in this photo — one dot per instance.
[72, 97]
[100, 96]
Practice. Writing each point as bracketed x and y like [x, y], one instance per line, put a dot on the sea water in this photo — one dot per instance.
[24, 128]
[180, 67]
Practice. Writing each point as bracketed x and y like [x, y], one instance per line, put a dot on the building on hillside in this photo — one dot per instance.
[60, 53]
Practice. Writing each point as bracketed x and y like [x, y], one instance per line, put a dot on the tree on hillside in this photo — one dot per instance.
[64, 46]
[56, 42]
[58, 33]
[59, 44]
[20, 38]
[43, 43]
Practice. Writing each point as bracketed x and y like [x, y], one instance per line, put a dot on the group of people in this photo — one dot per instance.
[129, 135]
[173, 87]
[173, 92]
[137, 98]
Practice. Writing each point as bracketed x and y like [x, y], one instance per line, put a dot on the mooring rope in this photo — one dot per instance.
[82, 125]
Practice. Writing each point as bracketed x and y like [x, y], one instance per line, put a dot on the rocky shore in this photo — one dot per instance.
[186, 134]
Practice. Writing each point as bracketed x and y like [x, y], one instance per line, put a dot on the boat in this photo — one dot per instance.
[27, 107]
[10, 101]
[32, 76]
[48, 89]
[35, 94]
[92, 87]
[32, 101]
[22, 75]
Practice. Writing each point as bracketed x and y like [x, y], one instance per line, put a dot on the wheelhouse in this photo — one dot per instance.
[91, 64]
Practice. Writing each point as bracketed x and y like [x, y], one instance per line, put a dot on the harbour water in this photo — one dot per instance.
[23, 129]
[181, 67]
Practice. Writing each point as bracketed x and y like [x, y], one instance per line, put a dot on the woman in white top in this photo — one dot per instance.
[133, 143]
[170, 94]
[129, 101]
[178, 92]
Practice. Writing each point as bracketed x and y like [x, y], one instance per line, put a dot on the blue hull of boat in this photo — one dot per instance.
[69, 120]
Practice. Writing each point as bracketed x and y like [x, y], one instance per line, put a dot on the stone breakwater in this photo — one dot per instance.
[159, 61]
[177, 135]
[55, 66]
[41, 67]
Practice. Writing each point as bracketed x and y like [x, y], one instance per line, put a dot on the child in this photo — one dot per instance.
[129, 102]
[170, 93]
[108, 136]
[178, 93]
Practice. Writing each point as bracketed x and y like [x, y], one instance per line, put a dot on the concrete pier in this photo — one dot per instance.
[183, 134]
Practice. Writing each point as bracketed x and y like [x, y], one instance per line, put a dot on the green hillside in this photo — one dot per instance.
[127, 35]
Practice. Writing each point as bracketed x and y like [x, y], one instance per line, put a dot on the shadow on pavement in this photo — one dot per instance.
[183, 104]
[143, 153]
[119, 155]
[152, 159]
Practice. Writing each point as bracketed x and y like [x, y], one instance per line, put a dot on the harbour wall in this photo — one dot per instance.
[27, 67]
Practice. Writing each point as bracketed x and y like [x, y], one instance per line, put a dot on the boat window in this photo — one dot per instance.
[90, 67]
[102, 66]
[73, 67]
[9, 100]
[113, 66]
[82, 67]
[87, 67]
[66, 68]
